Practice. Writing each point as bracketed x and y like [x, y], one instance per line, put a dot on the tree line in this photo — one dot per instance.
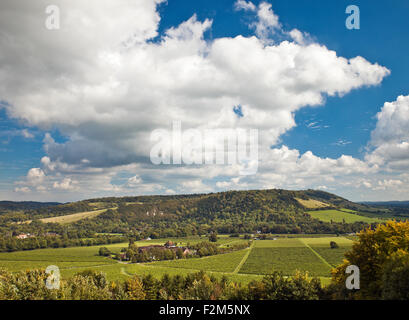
[90, 285]
[10, 244]
[137, 254]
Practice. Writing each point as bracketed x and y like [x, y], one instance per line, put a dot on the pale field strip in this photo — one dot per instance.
[69, 218]
[243, 261]
[311, 203]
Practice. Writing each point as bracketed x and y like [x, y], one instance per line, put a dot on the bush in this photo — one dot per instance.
[90, 285]
[381, 255]
[333, 245]
[213, 237]
[103, 251]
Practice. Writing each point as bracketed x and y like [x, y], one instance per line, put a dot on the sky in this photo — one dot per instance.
[85, 84]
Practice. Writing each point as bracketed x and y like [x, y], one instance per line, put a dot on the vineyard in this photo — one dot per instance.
[285, 254]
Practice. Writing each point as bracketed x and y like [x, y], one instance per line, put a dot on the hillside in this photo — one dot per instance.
[24, 205]
[265, 211]
[401, 204]
[393, 209]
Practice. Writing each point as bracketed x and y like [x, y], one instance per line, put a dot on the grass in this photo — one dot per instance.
[288, 255]
[158, 271]
[69, 218]
[340, 216]
[312, 254]
[73, 254]
[333, 256]
[75, 259]
[311, 203]
[283, 242]
[113, 272]
[285, 260]
[348, 210]
[15, 266]
[73, 217]
[324, 241]
[223, 262]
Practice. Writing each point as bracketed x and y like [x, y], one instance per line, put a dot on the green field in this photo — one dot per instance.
[283, 255]
[223, 262]
[288, 255]
[332, 256]
[340, 216]
[312, 254]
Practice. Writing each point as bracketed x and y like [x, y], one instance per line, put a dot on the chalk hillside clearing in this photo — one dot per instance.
[311, 203]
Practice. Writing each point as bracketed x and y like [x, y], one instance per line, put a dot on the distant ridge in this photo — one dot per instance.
[386, 203]
[246, 211]
[25, 205]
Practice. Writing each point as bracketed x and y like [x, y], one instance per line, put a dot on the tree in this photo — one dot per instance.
[276, 286]
[213, 237]
[333, 245]
[150, 287]
[88, 285]
[395, 280]
[134, 289]
[378, 253]
[103, 251]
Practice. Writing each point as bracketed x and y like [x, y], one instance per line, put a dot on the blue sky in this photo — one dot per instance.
[384, 26]
[341, 125]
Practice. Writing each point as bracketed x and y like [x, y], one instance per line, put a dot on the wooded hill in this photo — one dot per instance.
[24, 205]
[266, 211]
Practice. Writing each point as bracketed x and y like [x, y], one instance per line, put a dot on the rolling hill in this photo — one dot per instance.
[264, 211]
[25, 205]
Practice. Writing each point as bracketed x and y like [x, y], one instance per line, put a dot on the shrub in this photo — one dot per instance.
[333, 245]
[103, 251]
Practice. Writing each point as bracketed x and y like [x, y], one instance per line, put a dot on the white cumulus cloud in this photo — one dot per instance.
[107, 79]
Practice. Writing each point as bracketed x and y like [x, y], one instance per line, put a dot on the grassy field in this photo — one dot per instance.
[311, 203]
[68, 260]
[223, 262]
[73, 217]
[283, 255]
[332, 256]
[340, 216]
[312, 254]
[159, 271]
[69, 218]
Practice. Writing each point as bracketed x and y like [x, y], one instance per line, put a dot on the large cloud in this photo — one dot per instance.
[390, 138]
[106, 80]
